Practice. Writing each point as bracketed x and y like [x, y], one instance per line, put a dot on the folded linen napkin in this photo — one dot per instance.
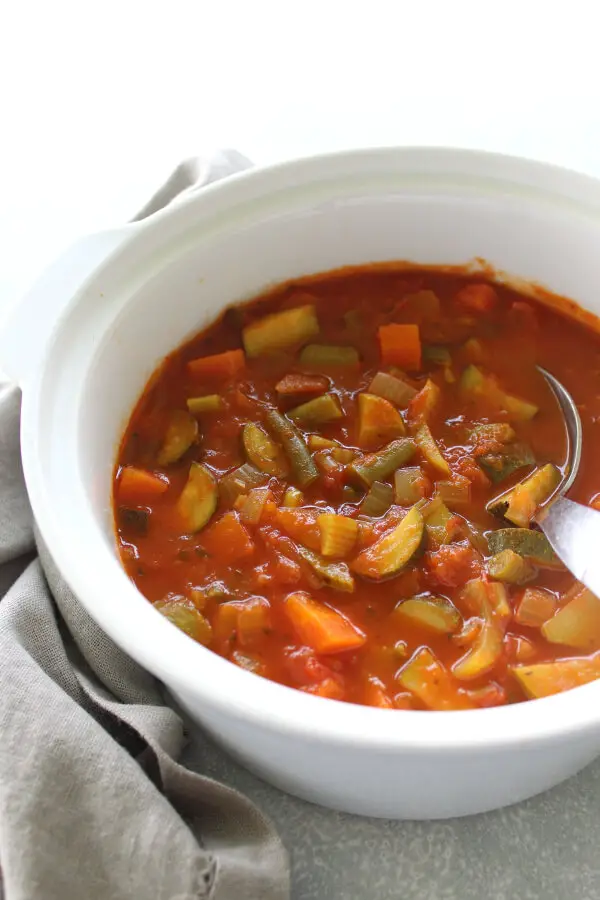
[93, 805]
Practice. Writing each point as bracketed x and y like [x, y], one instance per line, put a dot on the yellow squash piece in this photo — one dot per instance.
[526, 497]
[198, 500]
[430, 450]
[545, 679]
[263, 452]
[338, 534]
[280, 330]
[429, 680]
[393, 551]
[577, 624]
[486, 649]
[181, 433]
[436, 614]
[378, 421]
[200, 405]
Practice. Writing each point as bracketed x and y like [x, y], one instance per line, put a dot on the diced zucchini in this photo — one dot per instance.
[577, 624]
[198, 499]
[456, 492]
[438, 519]
[293, 498]
[472, 380]
[430, 450]
[187, 618]
[493, 432]
[240, 481]
[378, 420]
[378, 500]
[392, 388]
[327, 356]
[317, 411]
[509, 566]
[523, 501]
[429, 680]
[532, 545]
[302, 463]
[316, 442]
[485, 651]
[393, 551]
[482, 596]
[378, 466]
[545, 679]
[181, 433]
[280, 330]
[409, 485]
[437, 614]
[535, 607]
[338, 534]
[199, 405]
[437, 355]
[500, 465]
[335, 575]
[263, 452]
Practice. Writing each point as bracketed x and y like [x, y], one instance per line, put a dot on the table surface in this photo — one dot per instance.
[99, 102]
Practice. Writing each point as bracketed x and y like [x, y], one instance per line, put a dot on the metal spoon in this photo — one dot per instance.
[572, 529]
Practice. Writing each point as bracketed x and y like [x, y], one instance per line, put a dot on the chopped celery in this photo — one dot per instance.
[181, 433]
[378, 466]
[436, 354]
[392, 388]
[535, 607]
[338, 534]
[293, 497]
[429, 680]
[378, 500]
[378, 420]
[509, 566]
[437, 614]
[263, 452]
[430, 450]
[409, 485]
[280, 330]
[198, 499]
[577, 624]
[240, 481]
[532, 545]
[317, 411]
[456, 492]
[335, 575]
[392, 551]
[545, 679]
[323, 356]
[474, 383]
[199, 405]
[187, 618]
[254, 504]
[500, 465]
[295, 447]
[524, 500]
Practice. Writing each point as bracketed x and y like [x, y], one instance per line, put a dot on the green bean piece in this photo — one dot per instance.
[301, 461]
[378, 466]
[317, 356]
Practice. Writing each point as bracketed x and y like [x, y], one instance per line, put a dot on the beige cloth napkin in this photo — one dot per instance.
[93, 805]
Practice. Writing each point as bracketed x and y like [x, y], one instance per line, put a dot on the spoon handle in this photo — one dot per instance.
[574, 533]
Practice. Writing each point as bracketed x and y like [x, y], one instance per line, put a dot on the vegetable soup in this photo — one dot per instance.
[334, 485]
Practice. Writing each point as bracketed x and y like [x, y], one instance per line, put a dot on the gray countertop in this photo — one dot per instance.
[544, 848]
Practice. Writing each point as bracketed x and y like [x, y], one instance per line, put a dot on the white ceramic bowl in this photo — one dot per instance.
[168, 276]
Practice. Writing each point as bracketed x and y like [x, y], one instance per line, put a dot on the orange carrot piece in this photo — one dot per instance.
[228, 538]
[400, 346]
[321, 627]
[376, 695]
[479, 298]
[331, 688]
[137, 485]
[221, 365]
[293, 384]
[302, 525]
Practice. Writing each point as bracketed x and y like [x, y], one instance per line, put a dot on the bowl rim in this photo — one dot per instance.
[177, 659]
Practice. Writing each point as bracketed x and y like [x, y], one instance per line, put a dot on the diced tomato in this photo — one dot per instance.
[478, 298]
[453, 564]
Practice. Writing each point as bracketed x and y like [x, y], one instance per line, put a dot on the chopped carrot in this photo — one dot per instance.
[253, 620]
[400, 346]
[595, 501]
[293, 384]
[137, 485]
[403, 700]
[321, 627]
[376, 695]
[331, 688]
[228, 539]
[221, 365]
[479, 298]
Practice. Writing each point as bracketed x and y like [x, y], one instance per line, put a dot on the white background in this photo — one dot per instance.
[99, 100]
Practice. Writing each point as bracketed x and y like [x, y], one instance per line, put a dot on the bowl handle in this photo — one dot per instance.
[28, 323]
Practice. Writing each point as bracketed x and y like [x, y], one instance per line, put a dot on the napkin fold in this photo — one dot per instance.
[93, 805]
